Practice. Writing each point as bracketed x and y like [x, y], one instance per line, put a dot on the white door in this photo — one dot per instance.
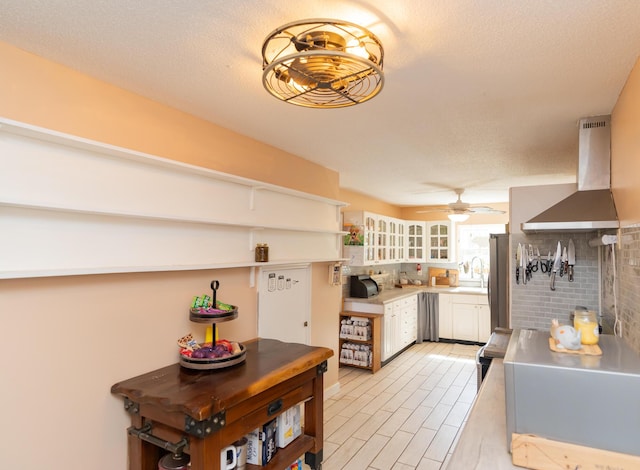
[284, 303]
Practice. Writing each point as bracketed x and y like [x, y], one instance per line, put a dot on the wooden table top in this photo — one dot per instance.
[201, 394]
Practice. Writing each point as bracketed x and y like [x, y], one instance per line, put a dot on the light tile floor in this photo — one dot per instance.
[406, 416]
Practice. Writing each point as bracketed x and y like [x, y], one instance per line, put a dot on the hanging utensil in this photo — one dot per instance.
[572, 259]
[536, 261]
[523, 264]
[557, 266]
[530, 262]
[549, 264]
[518, 259]
[565, 262]
[544, 265]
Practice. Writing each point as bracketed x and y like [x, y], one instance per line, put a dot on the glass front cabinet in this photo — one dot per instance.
[440, 242]
[416, 241]
[361, 243]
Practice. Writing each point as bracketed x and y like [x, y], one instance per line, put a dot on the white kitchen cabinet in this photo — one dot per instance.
[471, 318]
[401, 242]
[392, 240]
[416, 241]
[364, 226]
[440, 242]
[400, 325]
[382, 243]
[408, 311]
[390, 332]
[484, 322]
[445, 316]
[396, 240]
[465, 321]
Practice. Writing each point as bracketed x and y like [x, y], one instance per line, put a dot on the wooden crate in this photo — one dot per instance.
[537, 453]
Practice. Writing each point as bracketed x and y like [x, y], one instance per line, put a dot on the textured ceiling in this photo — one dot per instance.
[479, 94]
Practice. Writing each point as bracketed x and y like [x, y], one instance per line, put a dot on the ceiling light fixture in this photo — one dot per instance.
[322, 63]
[456, 217]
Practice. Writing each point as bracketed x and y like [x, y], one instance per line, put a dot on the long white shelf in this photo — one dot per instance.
[72, 141]
[80, 271]
[189, 220]
[72, 206]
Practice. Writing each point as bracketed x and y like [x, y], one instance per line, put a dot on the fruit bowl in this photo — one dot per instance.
[207, 363]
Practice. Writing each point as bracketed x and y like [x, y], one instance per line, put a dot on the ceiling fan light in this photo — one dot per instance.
[321, 63]
[458, 217]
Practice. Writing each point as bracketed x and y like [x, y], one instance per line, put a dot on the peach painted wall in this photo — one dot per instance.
[50, 95]
[65, 340]
[625, 150]
[361, 202]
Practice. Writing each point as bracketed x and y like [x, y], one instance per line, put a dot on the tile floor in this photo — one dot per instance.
[406, 416]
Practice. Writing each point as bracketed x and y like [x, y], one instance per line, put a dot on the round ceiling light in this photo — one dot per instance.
[322, 63]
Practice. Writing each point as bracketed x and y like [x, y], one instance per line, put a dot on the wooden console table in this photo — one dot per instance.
[208, 410]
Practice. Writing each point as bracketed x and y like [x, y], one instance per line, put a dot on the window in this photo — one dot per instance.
[473, 248]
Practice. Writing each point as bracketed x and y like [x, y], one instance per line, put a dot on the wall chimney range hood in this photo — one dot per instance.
[592, 207]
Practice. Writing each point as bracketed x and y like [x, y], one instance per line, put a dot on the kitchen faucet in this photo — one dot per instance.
[481, 270]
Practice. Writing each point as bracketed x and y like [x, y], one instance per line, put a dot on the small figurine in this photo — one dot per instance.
[567, 337]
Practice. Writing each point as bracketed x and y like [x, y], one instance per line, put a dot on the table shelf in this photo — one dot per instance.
[213, 409]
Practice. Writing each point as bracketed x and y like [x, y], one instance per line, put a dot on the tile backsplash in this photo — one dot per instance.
[534, 305]
[624, 281]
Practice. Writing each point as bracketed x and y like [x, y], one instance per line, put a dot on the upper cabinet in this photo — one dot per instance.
[397, 240]
[416, 241]
[382, 244]
[361, 243]
[440, 242]
[378, 239]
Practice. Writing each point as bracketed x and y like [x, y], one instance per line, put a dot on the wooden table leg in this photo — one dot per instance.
[313, 424]
[205, 453]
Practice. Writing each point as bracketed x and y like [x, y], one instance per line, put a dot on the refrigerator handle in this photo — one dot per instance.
[489, 290]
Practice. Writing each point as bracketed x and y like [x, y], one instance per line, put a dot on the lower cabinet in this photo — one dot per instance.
[400, 328]
[465, 320]
[390, 333]
[464, 317]
[484, 322]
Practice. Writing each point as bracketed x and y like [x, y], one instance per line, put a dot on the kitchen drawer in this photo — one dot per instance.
[470, 299]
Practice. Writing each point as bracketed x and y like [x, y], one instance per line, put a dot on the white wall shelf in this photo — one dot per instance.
[72, 206]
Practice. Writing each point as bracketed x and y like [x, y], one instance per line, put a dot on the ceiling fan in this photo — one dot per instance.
[459, 211]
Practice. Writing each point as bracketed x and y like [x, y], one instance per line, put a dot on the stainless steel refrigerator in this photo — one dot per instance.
[498, 282]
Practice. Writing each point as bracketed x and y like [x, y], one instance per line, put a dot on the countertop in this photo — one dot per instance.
[483, 440]
[396, 293]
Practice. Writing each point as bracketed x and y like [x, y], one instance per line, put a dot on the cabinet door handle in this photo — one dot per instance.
[274, 407]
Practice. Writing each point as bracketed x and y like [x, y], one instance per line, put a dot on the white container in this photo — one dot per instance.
[288, 427]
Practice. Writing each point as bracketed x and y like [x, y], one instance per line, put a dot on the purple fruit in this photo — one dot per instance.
[199, 354]
[212, 354]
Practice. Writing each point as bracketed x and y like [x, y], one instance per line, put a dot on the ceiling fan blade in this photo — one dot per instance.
[426, 211]
[485, 210]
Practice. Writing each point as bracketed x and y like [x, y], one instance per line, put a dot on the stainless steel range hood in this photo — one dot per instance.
[592, 206]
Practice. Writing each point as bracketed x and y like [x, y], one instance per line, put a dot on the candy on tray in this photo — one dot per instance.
[188, 342]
